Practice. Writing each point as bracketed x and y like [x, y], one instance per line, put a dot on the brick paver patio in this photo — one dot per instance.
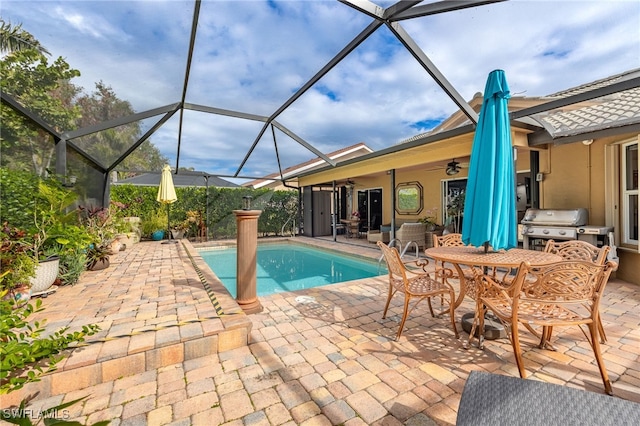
[166, 356]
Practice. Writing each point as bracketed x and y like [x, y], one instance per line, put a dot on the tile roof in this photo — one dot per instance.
[616, 110]
[179, 180]
[342, 154]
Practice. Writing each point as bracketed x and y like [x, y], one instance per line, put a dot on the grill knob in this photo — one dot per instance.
[562, 232]
[545, 231]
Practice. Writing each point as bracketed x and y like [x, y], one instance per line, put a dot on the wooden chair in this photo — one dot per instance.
[579, 250]
[558, 294]
[420, 285]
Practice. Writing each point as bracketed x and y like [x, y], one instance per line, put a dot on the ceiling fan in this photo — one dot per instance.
[453, 167]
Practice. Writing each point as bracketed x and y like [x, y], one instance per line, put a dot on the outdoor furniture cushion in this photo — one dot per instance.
[412, 232]
[494, 399]
[375, 236]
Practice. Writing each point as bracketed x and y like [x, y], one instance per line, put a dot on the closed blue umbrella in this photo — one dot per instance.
[490, 201]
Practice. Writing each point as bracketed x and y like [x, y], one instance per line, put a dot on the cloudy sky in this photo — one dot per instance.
[252, 56]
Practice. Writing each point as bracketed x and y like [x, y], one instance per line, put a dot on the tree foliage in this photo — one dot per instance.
[278, 207]
[45, 88]
[108, 145]
[13, 38]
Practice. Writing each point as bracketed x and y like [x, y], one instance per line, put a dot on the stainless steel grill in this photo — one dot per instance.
[569, 224]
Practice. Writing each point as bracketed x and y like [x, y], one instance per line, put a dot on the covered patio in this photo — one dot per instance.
[176, 349]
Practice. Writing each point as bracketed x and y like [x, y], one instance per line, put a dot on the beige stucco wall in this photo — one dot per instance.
[574, 176]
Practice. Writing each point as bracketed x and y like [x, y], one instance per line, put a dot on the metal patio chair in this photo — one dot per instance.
[558, 294]
[417, 284]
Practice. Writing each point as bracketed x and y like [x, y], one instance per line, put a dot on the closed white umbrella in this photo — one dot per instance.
[167, 193]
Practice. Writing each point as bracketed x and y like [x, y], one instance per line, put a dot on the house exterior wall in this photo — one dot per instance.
[575, 176]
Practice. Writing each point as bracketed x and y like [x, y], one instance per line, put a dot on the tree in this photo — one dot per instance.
[108, 145]
[46, 90]
[14, 38]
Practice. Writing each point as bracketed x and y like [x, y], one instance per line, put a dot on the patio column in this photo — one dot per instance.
[246, 291]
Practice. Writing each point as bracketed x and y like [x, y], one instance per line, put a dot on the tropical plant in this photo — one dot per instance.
[16, 262]
[99, 223]
[97, 254]
[13, 38]
[431, 218]
[156, 221]
[26, 353]
[455, 208]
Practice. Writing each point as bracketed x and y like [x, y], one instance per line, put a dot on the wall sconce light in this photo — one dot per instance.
[246, 202]
[70, 182]
[587, 142]
[453, 168]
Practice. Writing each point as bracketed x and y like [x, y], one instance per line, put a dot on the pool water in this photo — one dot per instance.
[289, 267]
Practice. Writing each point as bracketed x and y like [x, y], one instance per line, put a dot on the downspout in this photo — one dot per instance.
[297, 188]
[392, 178]
[334, 203]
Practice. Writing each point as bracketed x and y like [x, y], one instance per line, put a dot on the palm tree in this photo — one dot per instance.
[14, 38]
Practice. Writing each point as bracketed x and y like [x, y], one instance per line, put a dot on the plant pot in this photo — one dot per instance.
[45, 275]
[128, 239]
[115, 246]
[157, 235]
[136, 230]
[99, 264]
[177, 234]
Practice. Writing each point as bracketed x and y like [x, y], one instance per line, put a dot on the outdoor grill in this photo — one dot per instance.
[539, 225]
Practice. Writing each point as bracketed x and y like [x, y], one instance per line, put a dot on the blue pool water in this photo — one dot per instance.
[290, 267]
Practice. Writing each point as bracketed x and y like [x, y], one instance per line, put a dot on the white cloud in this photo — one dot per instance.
[252, 56]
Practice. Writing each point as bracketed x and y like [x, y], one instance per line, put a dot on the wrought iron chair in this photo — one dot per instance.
[558, 294]
[417, 284]
[468, 278]
[579, 250]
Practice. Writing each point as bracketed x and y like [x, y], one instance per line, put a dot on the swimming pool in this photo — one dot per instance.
[288, 267]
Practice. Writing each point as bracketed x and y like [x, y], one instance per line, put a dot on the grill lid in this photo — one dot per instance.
[556, 217]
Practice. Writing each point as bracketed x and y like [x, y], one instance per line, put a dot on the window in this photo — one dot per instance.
[629, 190]
[409, 198]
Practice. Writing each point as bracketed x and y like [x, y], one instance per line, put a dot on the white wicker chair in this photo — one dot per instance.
[412, 232]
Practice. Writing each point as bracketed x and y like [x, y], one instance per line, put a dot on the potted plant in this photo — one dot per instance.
[98, 257]
[154, 225]
[128, 226]
[59, 238]
[455, 210]
[101, 226]
[17, 265]
[430, 219]
[180, 229]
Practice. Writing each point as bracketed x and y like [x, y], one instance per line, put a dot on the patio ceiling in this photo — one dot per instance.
[269, 123]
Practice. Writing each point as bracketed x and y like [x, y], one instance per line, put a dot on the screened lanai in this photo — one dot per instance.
[240, 89]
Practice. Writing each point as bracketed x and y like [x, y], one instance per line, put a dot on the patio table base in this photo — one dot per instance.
[493, 329]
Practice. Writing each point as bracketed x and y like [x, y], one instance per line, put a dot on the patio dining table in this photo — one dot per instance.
[353, 227]
[476, 257]
[481, 261]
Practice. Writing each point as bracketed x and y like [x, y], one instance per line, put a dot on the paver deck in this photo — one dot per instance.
[169, 355]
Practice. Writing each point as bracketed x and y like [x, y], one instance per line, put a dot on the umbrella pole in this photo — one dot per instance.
[169, 239]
